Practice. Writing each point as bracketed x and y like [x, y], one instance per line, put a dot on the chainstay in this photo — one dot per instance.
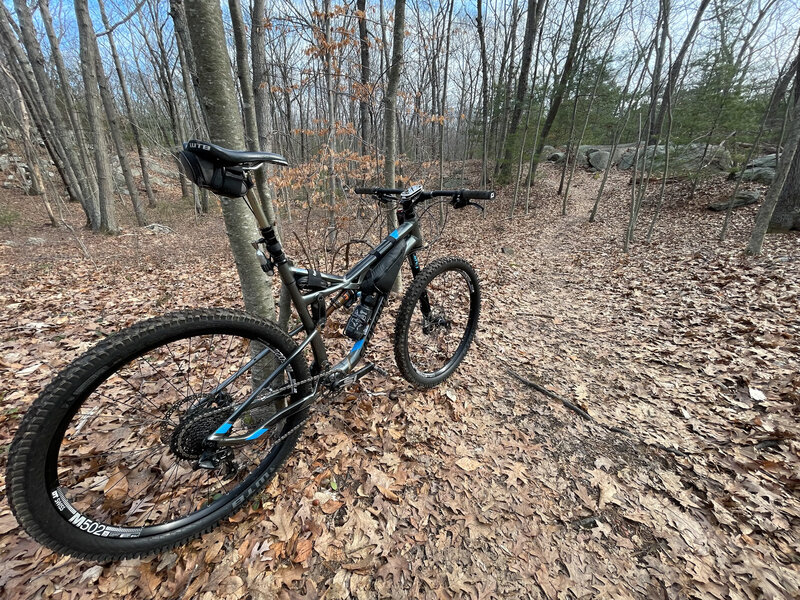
[289, 386]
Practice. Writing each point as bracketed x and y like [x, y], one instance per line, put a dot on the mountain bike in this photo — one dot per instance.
[161, 430]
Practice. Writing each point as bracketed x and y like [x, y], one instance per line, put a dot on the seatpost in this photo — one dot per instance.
[258, 211]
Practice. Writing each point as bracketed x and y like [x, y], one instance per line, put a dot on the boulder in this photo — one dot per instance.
[599, 160]
[556, 157]
[770, 160]
[742, 198]
[158, 228]
[682, 158]
[547, 150]
[759, 175]
[582, 155]
[36, 241]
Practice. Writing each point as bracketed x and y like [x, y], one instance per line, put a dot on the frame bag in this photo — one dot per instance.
[381, 277]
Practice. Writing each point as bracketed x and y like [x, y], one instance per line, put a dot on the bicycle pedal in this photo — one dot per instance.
[383, 372]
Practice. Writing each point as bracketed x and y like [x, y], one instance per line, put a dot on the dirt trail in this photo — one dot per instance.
[484, 488]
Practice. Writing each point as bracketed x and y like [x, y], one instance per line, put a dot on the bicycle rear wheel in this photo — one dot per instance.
[105, 463]
[437, 321]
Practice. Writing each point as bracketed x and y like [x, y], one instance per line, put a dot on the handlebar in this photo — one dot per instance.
[376, 191]
[455, 194]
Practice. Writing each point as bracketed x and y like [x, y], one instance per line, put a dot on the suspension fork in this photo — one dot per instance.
[424, 301]
[408, 213]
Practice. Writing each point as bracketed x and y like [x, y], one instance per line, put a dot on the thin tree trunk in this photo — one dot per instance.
[566, 73]
[85, 172]
[767, 208]
[137, 137]
[484, 95]
[88, 51]
[113, 125]
[531, 27]
[363, 96]
[54, 132]
[217, 96]
[390, 110]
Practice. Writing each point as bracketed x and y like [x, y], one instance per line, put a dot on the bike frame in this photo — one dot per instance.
[408, 233]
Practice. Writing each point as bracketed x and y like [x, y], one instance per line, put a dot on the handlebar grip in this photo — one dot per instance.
[374, 191]
[478, 194]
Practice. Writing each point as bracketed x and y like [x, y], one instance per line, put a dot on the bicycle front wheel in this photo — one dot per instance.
[112, 461]
[437, 321]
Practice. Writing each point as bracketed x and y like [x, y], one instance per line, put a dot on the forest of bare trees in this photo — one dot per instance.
[363, 91]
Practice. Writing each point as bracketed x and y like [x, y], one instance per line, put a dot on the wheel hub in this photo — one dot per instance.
[188, 439]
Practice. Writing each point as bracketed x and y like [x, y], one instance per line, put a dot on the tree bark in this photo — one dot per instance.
[126, 98]
[217, 96]
[50, 120]
[484, 95]
[566, 73]
[788, 163]
[531, 26]
[85, 172]
[116, 136]
[677, 64]
[363, 100]
[88, 51]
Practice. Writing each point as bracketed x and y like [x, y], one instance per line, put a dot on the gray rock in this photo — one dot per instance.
[627, 158]
[154, 167]
[770, 160]
[742, 198]
[759, 175]
[547, 150]
[36, 241]
[157, 228]
[582, 155]
[682, 158]
[599, 160]
[556, 157]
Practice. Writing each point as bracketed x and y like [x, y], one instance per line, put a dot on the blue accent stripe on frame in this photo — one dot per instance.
[395, 234]
[223, 429]
[257, 433]
[357, 346]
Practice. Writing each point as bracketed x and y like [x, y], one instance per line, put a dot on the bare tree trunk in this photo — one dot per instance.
[655, 87]
[363, 99]
[531, 26]
[137, 137]
[677, 64]
[331, 101]
[52, 128]
[217, 95]
[88, 43]
[86, 172]
[788, 162]
[484, 95]
[566, 73]
[390, 110]
[113, 125]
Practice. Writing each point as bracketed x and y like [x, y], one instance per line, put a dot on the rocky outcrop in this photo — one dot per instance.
[682, 158]
[742, 198]
[759, 175]
[761, 169]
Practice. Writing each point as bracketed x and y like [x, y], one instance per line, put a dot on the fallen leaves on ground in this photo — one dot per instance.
[481, 488]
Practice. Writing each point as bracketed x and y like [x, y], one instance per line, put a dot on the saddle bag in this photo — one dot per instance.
[231, 182]
[381, 277]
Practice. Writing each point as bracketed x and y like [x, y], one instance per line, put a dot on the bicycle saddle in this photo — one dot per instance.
[230, 158]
